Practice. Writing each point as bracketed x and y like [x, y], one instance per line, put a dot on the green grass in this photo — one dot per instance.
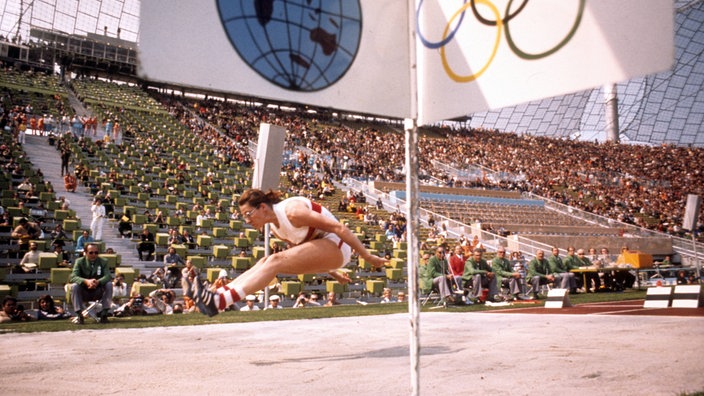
[285, 314]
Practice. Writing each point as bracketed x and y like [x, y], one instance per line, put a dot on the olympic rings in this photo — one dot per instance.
[437, 44]
[568, 37]
[456, 77]
[508, 17]
[499, 22]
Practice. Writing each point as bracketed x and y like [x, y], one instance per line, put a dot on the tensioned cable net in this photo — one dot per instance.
[664, 108]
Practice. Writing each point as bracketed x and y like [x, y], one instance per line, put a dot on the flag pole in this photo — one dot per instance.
[413, 206]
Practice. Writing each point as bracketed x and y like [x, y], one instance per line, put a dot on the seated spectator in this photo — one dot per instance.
[561, 271]
[26, 231]
[250, 303]
[11, 312]
[188, 240]
[480, 275]
[119, 287]
[133, 307]
[30, 260]
[539, 272]
[58, 235]
[91, 281]
[274, 302]
[386, 296]
[48, 309]
[82, 241]
[401, 296]
[160, 302]
[146, 245]
[172, 269]
[157, 277]
[124, 226]
[70, 182]
[332, 299]
[188, 274]
[63, 258]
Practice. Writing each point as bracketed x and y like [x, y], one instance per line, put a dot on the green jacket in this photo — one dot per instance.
[430, 271]
[84, 269]
[502, 267]
[471, 268]
[557, 266]
[539, 268]
[571, 262]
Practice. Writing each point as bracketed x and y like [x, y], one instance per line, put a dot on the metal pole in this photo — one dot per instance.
[413, 215]
[696, 257]
[267, 252]
[611, 111]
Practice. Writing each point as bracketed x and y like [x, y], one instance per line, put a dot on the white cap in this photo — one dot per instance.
[250, 297]
[274, 297]
[222, 274]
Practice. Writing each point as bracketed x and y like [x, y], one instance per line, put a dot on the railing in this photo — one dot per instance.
[681, 246]
[455, 229]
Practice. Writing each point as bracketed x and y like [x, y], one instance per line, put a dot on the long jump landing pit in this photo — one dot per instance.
[461, 353]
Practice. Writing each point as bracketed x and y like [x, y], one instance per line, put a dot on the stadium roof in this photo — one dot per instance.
[663, 108]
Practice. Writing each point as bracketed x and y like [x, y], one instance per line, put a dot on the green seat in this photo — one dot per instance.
[235, 225]
[60, 214]
[204, 241]
[402, 254]
[241, 242]
[394, 273]
[219, 232]
[112, 260]
[334, 286]
[375, 287]
[241, 263]
[59, 276]
[198, 261]
[258, 252]
[128, 273]
[397, 263]
[71, 224]
[213, 274]
[305, 277]
[181, 250]
[143, 289]
[290, 288]
[161, 238]
[47, 261]
[221, 251]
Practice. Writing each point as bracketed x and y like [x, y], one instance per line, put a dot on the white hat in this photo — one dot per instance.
[250, 297]
[222, 274]
[275, 297]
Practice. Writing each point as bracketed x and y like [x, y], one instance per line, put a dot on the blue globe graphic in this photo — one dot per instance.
[299, 45]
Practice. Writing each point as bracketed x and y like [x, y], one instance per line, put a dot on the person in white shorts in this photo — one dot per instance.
[319, 243]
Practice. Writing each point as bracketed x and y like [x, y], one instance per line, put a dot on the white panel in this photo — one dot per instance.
[477, 69]
[187, 42]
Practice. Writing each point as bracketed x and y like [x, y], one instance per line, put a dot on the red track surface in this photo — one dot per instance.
[631, 307]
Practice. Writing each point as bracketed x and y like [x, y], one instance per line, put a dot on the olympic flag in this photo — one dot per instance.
[358, 55]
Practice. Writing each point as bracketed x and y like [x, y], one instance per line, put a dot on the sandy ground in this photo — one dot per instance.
[470, 353]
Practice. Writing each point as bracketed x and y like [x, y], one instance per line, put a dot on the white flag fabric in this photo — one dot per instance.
[355, 55]
[486, 54]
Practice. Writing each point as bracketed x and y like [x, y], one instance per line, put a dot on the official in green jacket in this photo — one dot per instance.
[481, 275]
[91, 281]
[505, 275]
[539, 272]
